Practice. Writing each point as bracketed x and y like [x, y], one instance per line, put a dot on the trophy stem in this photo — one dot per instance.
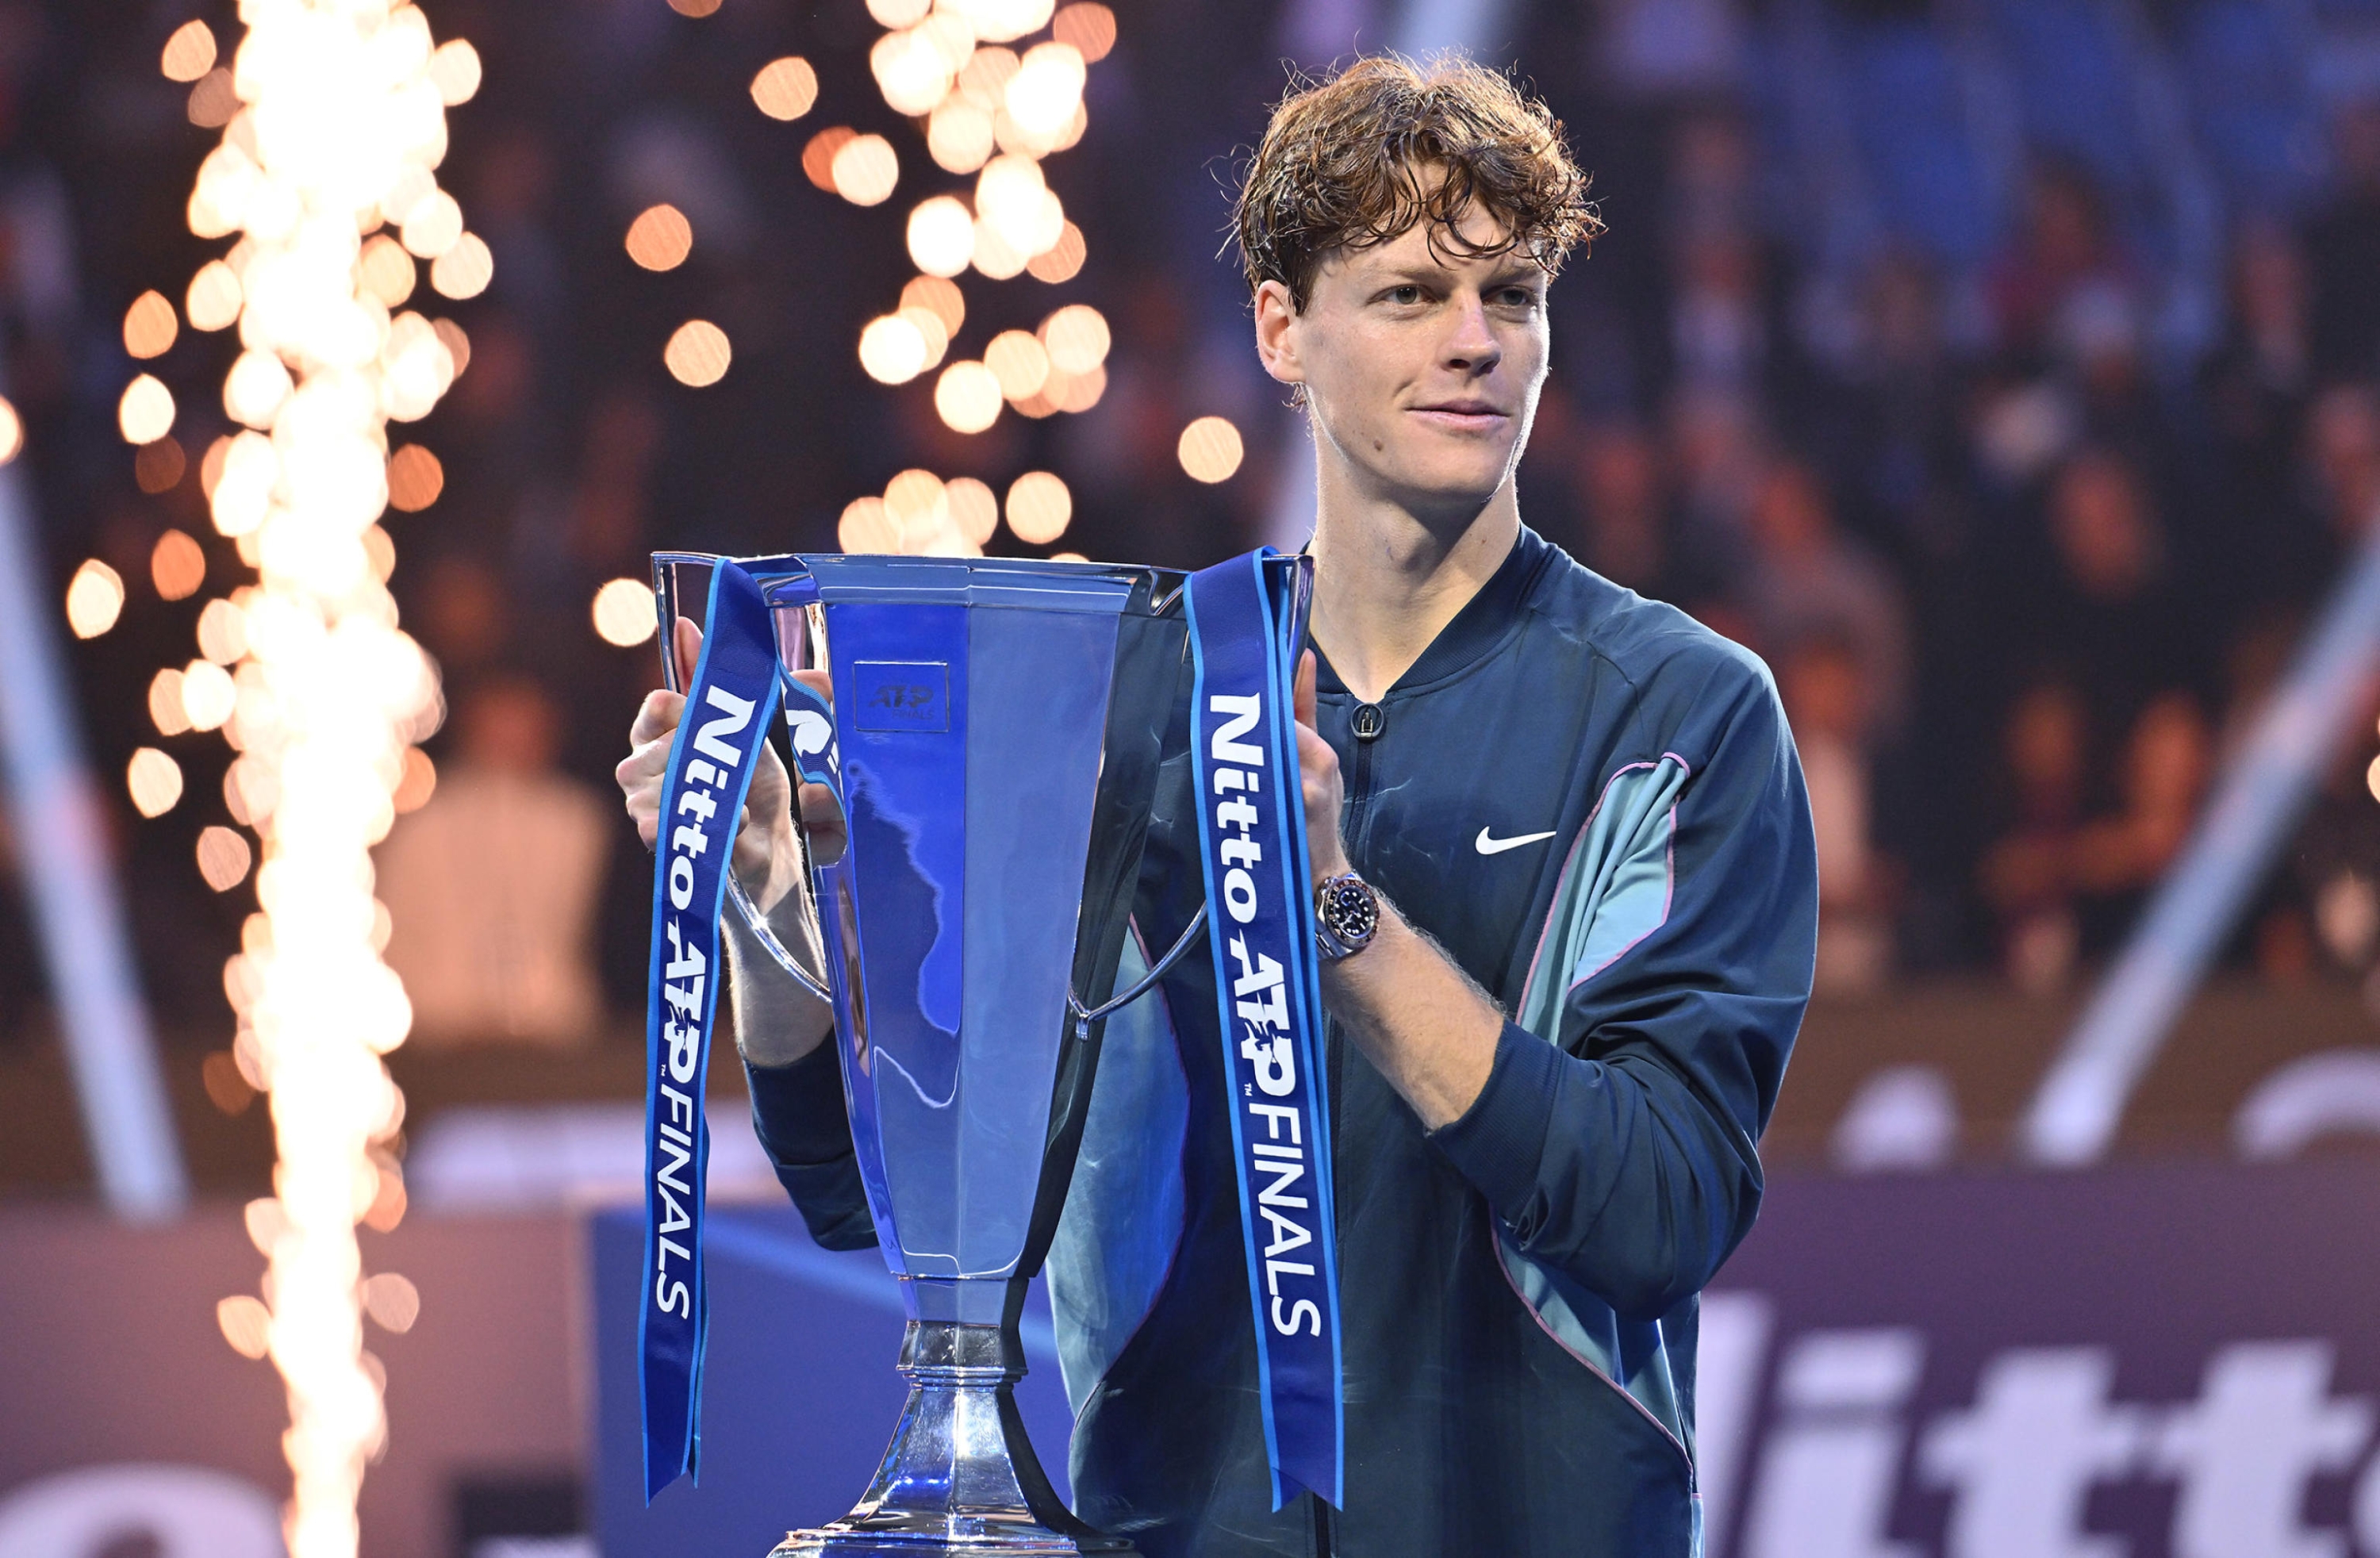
[960, 1476]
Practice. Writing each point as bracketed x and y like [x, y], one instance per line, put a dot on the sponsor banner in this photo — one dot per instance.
[2121, 1363]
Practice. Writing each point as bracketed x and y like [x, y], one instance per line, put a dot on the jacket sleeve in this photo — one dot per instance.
[1625, 1155]
[797, 1112]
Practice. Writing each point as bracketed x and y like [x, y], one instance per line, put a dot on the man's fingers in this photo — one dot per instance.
[657, 716]
[1302, 701]
[688, 641]
[817, 681]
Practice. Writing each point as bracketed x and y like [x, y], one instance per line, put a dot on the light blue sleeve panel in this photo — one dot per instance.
[1615, 889]
[1123, 1222]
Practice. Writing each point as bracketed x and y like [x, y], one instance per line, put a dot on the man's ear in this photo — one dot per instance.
[1277, 333]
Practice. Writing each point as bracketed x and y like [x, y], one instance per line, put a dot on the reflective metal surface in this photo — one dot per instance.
[960, 1476]
[998, 727]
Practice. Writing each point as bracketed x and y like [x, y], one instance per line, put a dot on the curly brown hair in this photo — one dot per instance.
[1355, 160]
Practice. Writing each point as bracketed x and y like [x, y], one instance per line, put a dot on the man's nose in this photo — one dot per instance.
[1472, 349]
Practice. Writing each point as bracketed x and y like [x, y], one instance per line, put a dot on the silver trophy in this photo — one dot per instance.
[998, 726]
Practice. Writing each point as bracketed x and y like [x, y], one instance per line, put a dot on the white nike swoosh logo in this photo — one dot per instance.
[1487, 845]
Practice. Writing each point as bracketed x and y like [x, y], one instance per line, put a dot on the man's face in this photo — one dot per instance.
[1421, 368]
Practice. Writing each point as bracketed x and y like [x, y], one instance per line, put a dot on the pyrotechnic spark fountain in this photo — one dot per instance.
[341, 120]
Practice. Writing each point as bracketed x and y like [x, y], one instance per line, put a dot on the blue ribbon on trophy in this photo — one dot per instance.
[1077, 668]
[735, 694]
[1247, 626]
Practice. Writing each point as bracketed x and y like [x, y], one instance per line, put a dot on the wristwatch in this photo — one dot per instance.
[1346, 913]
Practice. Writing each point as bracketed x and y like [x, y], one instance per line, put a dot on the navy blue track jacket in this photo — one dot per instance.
[1593, 804]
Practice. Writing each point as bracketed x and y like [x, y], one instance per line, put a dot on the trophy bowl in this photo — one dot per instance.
[997, 729]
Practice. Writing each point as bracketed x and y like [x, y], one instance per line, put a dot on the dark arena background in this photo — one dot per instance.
[2005, 372]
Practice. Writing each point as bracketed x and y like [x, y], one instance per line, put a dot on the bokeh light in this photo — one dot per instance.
[892, 350]
[967, 398]
[866, 527]
[942, 296]
[1090, 27]
[166, 703]
[385, 269]
[623, 612]
[785, 88]
[1063, 261]
[150, 325]
[12, 431]
[245, 1323]
[942, 236]
[178, 565]
[660, 237]
[698, 354]
[433, 225]
[455, 70]
[1045, 91]
[213, 99]
[930, 328]
[1077, 338]
[393, 1301]
[224, 859]
[464, 270]
[414, 479]
[974, 509]
[190, 53]
[899, 13]
[214, 299]
[154, 781]
[94, 599]
[158, 467]
[959, 135]
[864, 170]
[209, 695]
[223, 632]
[146, 411]
[818, 154]
[2371, 778]
[1209, 449]
[1039, 507]
[693, 7]
[1019, 362]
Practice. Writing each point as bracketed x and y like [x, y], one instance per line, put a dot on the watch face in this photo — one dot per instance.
[1349, 908]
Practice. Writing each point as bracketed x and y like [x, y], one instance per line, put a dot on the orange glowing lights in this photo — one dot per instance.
[154, 781]
[866, 527]
[190, 53]
[1039, 507]
[623, 612]
[178, 565]
[785, 88]
[899, 13]
[224, 858]
[414, 479]
[892, 349]
[1062, 260]
[818, 154]
[214, 299]
[393, 1301]
[1090, 27]
[1209, 449]
[940, 296]
[146, 411]
[660, 237]
[698, 354]
[454, 72]
[244, 1320]
[464, 270]
[967, 398]
[12, 431]
[959, 135]
[157, 468]
[693, 7]
[433, 225]
[942, 236]
[150, 326]
[975, 509]
[865, 169]
[213, 99]
[1077, 338]
[383, 267]
[1019, 362]
[94, 599]
[166, 703]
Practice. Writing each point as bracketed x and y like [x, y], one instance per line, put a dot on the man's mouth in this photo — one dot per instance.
[1464, 416]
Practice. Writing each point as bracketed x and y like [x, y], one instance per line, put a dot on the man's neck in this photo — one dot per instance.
[1387, 581]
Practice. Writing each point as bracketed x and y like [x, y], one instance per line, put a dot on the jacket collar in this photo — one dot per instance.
[1483, 624]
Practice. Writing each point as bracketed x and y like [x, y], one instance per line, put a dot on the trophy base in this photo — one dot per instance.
[960, 1476]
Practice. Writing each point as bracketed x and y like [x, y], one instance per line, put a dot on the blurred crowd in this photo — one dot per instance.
[2026, 494]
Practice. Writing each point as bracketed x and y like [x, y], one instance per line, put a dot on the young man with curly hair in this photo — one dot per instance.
[1585, 827]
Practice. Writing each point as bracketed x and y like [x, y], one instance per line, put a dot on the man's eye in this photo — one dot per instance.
[1517, 297]
[1404, 295]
